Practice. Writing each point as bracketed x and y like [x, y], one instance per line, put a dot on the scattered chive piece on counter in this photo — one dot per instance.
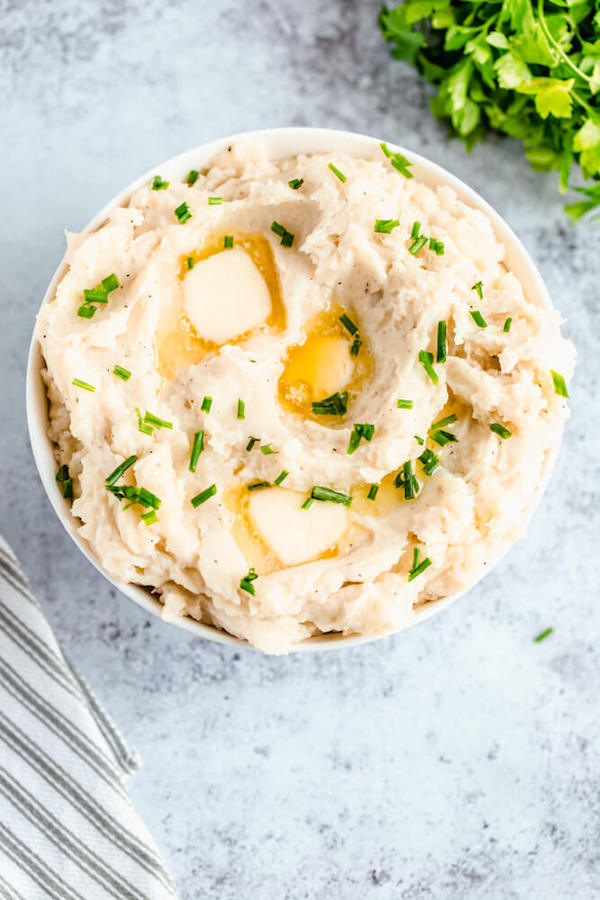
[399, 162]
[385, 226]
[543, 635]
[372, 491]
[420, 441]
[192, 177]
[241, 409]
[228, 241]
[335, 405]
[120, 372]
[268, 450]
[206, 404]
[478, 286]
[447, 420]
[190, 262]
[215, 201]
[151, 419]
[426, 360]
[203, 496]
[358, 432]
[287, 238]
[441, 341]
[258, 485]
[83, 384]
[65, 481]
[560, 386]
[507, 324]
[325, 493]
[478, 318]
[296, 183]
[417, 567]
[182, 213]
[197, 448]
[86, 312]
[246, 582]
[429, 461]
[307, 503]
[281, 477]
[404, 404]
[145, 429]
[120, 470]
[158, 184]
[337, 173]
[414, 231]
[442, 437]
[497, 428]
[251, 443]
[149, 518]
[417, 245]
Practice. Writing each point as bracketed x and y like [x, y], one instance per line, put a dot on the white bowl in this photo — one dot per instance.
[280, 142]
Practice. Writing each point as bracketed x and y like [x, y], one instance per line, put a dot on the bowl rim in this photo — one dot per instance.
[280, 142]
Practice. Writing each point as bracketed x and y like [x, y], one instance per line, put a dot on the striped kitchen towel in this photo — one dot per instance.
[68, 829]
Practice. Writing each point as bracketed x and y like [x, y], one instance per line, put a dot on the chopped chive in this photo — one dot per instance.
[147, 498]
[417, 245]
[442, 437]
[441, 342]
[83, 384]
[478, 318]
[543, 635]
[429, 461]
[192, 177]
[241, 409]
[348, 324]
[414, 232]
[287, 238]
[399, 162]
[190, 262]
[149, 518]
[420, 441]
[356, 345]
[295, 183]
[497, 428]
[215, 201]
[268, 450]
[437, 246]
[337, 173]
[151, 419]
[246, 582]
[281, 477]
[447, 420]
[203, 496]
[359, 432]
[307, 503]
[63, 473]
[258, 485]
[251, 443]
[120, 372]
[407, 480]
[86, 312]
[277, 229]
[68, 489]
[404, 404]
[560, 386]
[145, 429]
[335, 405]
[325, 493]
[478, 286]
[507, 325]
[418, 570]
[228, 241]
[372, 492]
[197, 448]
[110, 283]
[182, 213]
[426, 359]
[120, 470]
[206, 404]
[95, 295]
[385, 226]
[158, 184]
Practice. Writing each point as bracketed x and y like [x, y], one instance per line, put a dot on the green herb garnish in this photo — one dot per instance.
[399, 162]
[158, 184]
[182, 213]
[83, 384]
[348, 324]
[206, 404]
[268, 450]
[335, 405]
[441, 342]
[120, 372]
[145, 429]
[307, 503]
[543, 635]
[414, 232]
[241, 409]
[478, 286]
[258, 485]
[246, 582]
[442, 437]
[287, 238]
[560, 386]
[203, 496]
[215, 201]
[149, 518]
[65, 481]
[337, 173]
[251, 443]
[296, 183]
[95, 295]
[372, 492]
[417, 245]
[404, 404]
[478, 318]
[359, 432]
[385, 226]
[228, 241]
[120, 470]
[497, 428]
[426, 360]
[197, 448]
[507, 324]
[420, 441]
[86, 312]
[437, 246]
[192, 177]
[153, 420]
[406, 479]
[281, 477]
[447, 420]
[325, 493]
[429, 461]
[190, 262]
[417, 567]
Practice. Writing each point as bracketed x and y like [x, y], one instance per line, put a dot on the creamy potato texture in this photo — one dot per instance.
[341, 403]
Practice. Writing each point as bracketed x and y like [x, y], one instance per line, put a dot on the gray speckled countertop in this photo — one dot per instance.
[457, 760]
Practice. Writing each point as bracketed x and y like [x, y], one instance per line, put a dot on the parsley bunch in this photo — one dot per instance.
[529, 69]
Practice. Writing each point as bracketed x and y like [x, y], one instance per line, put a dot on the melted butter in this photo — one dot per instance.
[177, 344]
[322, 364]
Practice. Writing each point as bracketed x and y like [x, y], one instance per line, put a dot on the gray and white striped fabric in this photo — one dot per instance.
[68, 829]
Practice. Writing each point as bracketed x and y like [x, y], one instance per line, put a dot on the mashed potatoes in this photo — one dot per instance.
[290, 408]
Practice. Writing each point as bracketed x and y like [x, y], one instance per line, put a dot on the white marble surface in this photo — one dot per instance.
[458, 760]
